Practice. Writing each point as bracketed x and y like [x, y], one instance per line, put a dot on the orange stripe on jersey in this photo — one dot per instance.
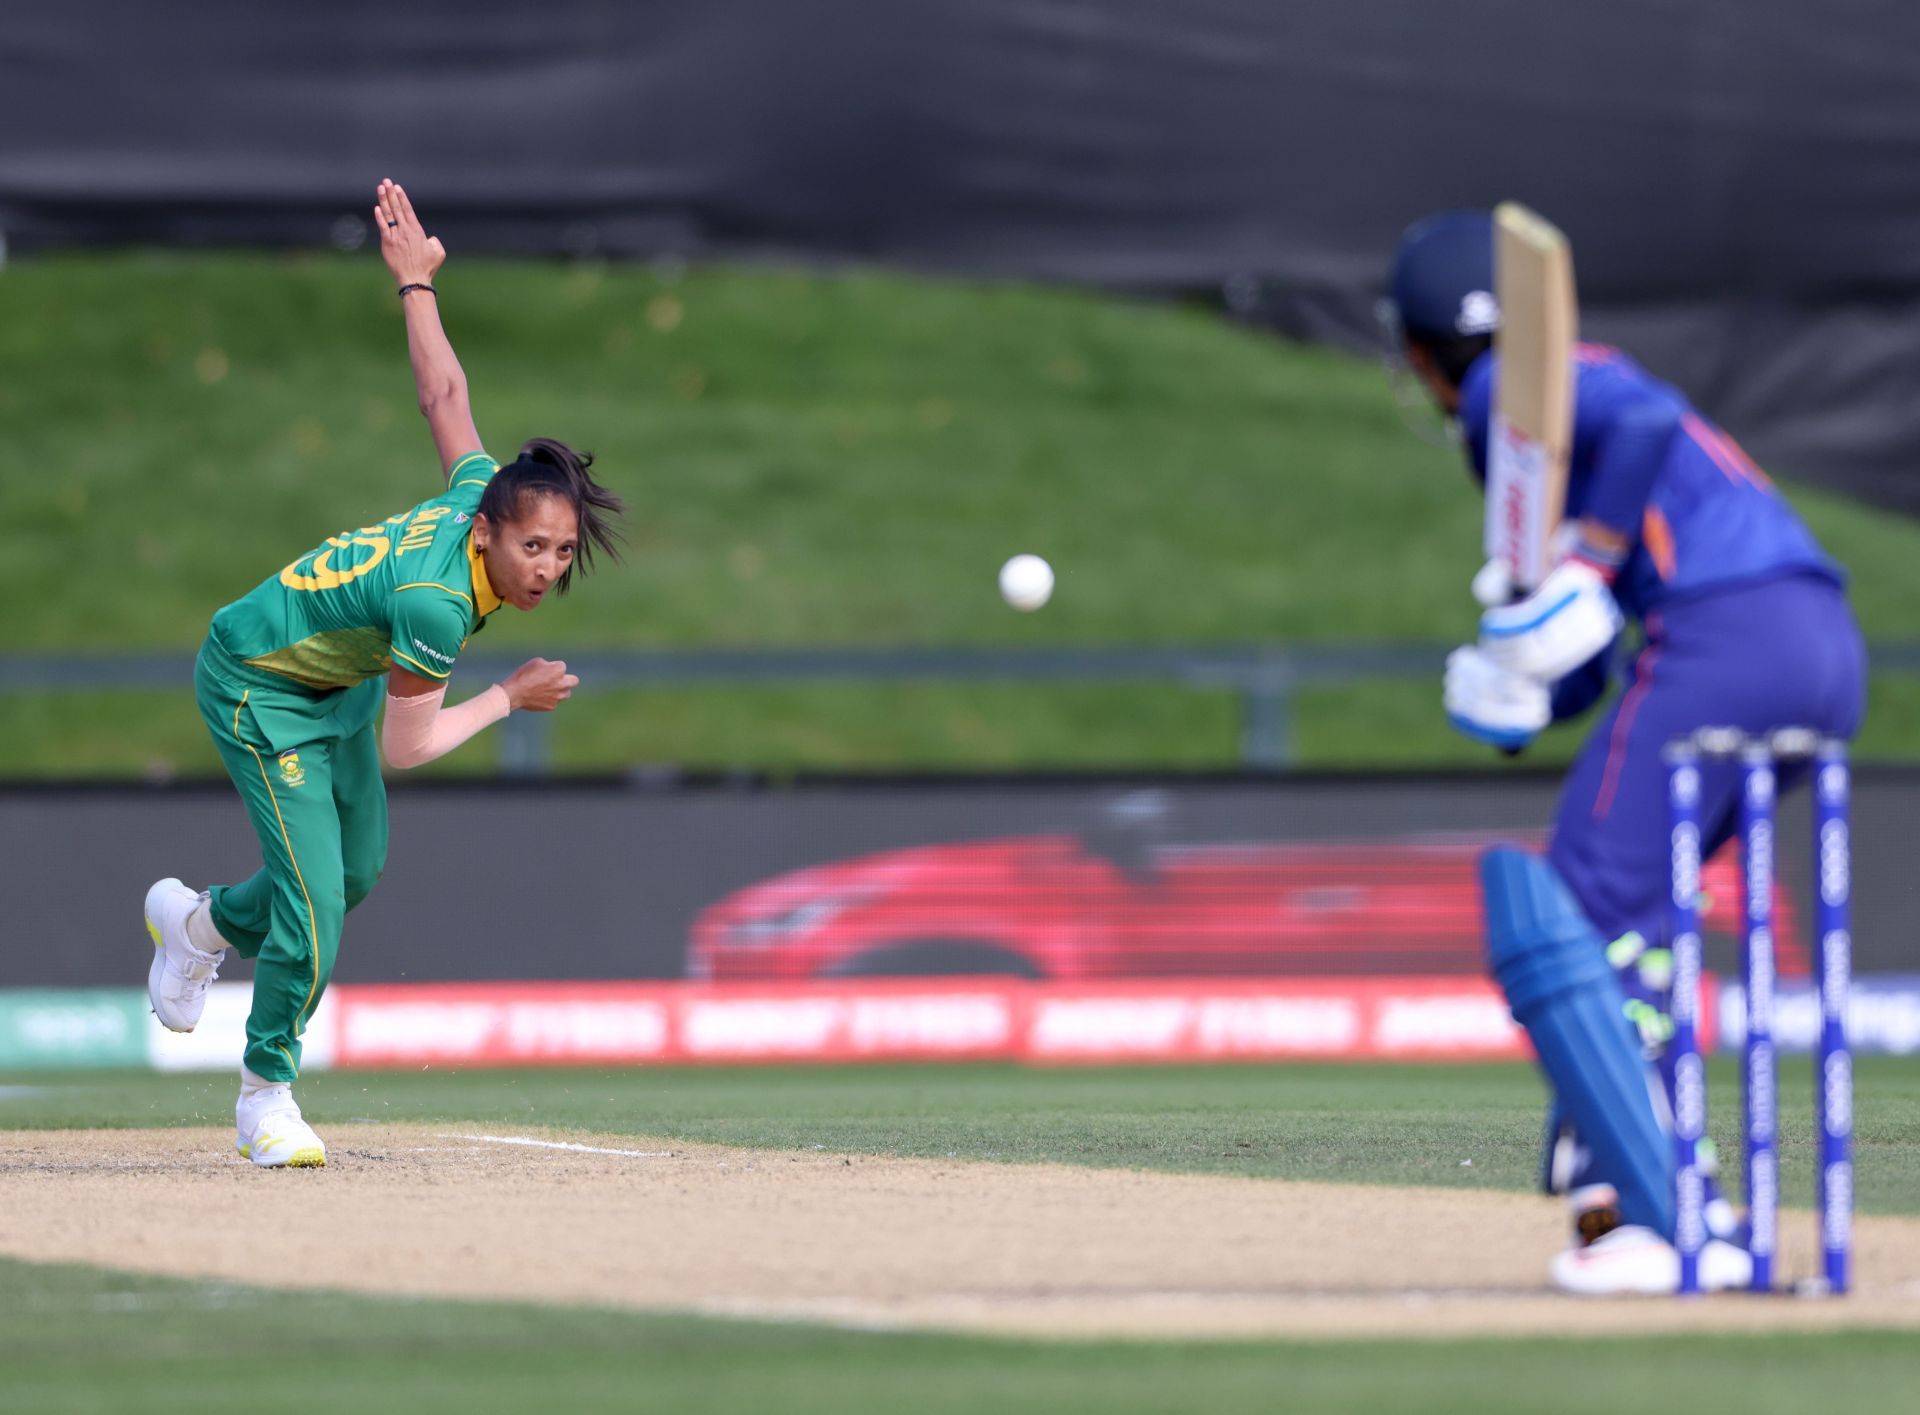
[1623, 728]
[1734, 464]
[1740, 457]
[1657, 536]
[1595, 353]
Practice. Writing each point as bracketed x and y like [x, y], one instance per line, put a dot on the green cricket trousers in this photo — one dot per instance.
[308, 768]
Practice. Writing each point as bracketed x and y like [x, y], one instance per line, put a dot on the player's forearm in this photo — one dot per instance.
[1600, 546]
[437, 376]
[418, 730]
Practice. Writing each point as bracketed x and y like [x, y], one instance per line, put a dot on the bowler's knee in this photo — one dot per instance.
[361, 877]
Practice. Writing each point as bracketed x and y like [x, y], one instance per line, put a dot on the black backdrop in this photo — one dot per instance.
[1741, 178]
[603, 880]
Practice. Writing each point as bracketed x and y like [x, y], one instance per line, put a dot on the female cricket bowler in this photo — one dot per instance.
[289, 682]
[1745, 624]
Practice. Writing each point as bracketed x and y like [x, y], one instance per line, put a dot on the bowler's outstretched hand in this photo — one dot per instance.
[411, 254]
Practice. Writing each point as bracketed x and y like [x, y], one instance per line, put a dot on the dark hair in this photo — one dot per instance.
[1452, 354]
[546, 467]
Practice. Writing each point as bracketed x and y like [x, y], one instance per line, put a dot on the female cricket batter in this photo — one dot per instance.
[1746, 625]
[288, 681]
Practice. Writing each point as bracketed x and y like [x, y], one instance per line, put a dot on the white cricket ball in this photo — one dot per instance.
[1026, 582]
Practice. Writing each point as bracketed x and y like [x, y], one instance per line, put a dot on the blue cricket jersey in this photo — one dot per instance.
[1697, 512]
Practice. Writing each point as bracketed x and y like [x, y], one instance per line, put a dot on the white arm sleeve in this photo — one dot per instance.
[417, 729]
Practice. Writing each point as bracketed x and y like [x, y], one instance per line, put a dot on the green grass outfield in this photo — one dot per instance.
[811, 460]
[74, 1339]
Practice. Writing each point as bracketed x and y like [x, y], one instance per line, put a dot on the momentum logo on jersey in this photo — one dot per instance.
[291, 772]
[444, 660]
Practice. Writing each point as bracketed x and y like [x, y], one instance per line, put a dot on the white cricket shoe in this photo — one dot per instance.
[271, 1132]
[1634, 1259]
[177, 982]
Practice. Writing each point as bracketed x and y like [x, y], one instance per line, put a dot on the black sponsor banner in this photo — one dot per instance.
[1737, 175]
[1075, 878]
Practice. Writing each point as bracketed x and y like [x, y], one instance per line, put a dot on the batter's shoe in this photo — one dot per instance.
[1631, 1259]
[177, 982]
[271, 1133]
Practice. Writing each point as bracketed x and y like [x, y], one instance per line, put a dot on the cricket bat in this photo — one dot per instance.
[1532, 433]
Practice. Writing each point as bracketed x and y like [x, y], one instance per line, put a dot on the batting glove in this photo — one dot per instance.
[1493, 585]
[1489, 704]
[1569, 619]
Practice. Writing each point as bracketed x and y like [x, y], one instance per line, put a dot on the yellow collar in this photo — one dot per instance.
[485, 601]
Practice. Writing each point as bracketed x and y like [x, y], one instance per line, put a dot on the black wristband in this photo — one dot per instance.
[428, 288]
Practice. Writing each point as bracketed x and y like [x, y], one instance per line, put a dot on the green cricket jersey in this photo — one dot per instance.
[408, 591]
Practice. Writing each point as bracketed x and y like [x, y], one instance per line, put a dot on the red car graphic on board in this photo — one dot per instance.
[1048, 906]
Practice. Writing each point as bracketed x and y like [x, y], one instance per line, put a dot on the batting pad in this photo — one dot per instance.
[1551, 964]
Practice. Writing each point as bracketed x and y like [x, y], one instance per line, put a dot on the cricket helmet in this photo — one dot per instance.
[1441, 287]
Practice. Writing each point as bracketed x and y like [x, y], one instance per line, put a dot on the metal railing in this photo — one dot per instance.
[1266, 678]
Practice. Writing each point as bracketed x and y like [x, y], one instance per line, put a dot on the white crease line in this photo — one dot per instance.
[561, 1145]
